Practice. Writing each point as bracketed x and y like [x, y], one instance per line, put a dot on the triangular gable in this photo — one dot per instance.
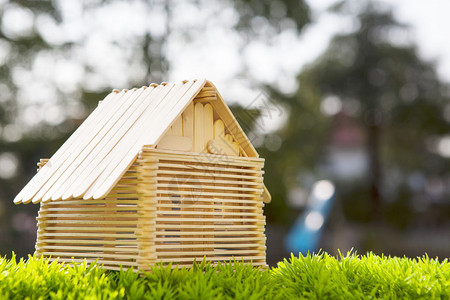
[221, 110]
[99, 152]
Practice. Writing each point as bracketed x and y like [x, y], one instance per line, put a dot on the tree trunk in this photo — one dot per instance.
[374, 174]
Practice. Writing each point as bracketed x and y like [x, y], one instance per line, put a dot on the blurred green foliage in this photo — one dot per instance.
[394, 97]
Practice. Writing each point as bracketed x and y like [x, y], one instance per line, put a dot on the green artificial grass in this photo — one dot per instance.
[319, 276]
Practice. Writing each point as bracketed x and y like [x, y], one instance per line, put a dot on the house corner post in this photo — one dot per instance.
[41, 230]
[146, 187]
[261, 224]
[41, 221]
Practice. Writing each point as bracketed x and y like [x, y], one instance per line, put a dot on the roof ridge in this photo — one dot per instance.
[153, 84]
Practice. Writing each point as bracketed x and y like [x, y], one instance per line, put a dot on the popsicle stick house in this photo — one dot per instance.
[163, 173]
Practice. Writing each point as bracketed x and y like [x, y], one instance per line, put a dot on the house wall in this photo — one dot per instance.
[206, 207]
[104, 230]
[167, 208]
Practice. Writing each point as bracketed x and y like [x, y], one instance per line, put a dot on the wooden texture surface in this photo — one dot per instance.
[208, 206]
[168, 207]
[107, 230]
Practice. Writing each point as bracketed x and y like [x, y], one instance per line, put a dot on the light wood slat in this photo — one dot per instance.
[92, 202]
[206, 96]
[208, 213]
[195, 233]
[157, 123]
[215, 226]
[67, 220]
[214, 206]
[203, 94]
[198, 192]
[119, 205]
[97, 118]
[218, 162]
[130, 246]
[232, 239]
[187, 173]
[215, 181]
[162, 225]
[118, 223]
[93, 215]
[204, 99]
[165, 233]
[219, 129]
[106, 138]
[177, 127]
[188, 122]
[88, 242]
[126, 197]
[120, 209]
[248, 202]
[229, 247]
[91, 235]
[124, 141]
[214, 211]
[203, 193]
[70, 254]
[80, 230]
[227, 233]
[130, 250]
[199, 258]
[173, 186]
[90, 209]
[215, 220]
[208, 123]
[199, 136]
[196, 199]
[208, 168]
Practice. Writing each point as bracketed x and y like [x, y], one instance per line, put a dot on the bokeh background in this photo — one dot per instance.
[348, 101]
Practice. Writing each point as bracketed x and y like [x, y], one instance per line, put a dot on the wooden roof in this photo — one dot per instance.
[99, 152]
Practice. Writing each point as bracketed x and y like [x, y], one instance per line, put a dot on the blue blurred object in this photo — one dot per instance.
[305, 234]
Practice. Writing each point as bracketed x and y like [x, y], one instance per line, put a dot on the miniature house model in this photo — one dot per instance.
[158, 174]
